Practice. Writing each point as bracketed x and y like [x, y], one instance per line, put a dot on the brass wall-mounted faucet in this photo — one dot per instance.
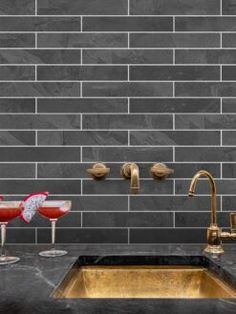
[130, 170]
[214, 233]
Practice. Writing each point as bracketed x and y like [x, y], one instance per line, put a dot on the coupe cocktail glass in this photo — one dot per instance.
[8, 211]
[54, 210]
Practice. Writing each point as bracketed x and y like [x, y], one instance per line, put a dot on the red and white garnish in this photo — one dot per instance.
[31, 204]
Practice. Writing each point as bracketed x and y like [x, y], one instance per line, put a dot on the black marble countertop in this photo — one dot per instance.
[25, 287]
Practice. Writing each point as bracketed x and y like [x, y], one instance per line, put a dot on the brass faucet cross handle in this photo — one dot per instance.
[214, 233]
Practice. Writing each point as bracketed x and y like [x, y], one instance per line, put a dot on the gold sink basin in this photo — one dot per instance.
[142, 282]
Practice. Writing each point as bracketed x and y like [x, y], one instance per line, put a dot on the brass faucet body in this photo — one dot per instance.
[214, 244]
[131, 171]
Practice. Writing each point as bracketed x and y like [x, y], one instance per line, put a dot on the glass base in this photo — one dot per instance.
[52, 253]
[5, 260]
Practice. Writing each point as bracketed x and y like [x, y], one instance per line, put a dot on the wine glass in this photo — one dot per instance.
[8, 211]
[54, 210]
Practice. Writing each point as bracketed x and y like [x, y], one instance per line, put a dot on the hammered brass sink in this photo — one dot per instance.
[143, 282]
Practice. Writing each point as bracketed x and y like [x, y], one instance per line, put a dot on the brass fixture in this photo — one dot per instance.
[99, 171]
[214, 233]
[232, 234]
[161, 171]
[142, 281]
[130, 170]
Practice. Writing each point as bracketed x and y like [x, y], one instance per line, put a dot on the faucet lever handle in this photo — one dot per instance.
[161, 171]
[233, 222]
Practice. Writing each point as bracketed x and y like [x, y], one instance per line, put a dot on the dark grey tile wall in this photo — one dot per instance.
[114, 81]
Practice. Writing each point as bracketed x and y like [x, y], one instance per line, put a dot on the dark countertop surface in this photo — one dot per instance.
[25, 287]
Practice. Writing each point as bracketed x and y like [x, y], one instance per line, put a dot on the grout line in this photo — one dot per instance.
[36, 41]
[81, 217]
[36, 7]
[35, 235]
[128, 235]
[36, 170]
[35, 73]
[36, 137]
[174, 219]
[221, 7]
[128, 13]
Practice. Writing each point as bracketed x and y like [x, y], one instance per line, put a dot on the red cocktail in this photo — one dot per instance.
[54, 210]
[8, 211]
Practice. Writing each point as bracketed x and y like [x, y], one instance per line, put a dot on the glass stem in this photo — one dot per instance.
[53, 222]
[3, 238]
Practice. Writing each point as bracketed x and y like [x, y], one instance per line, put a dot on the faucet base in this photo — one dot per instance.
[214, 249]
[214, 240]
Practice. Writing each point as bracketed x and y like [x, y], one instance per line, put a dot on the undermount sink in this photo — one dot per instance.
[142, 281]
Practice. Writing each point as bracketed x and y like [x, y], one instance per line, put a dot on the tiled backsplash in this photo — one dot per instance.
[83, 81]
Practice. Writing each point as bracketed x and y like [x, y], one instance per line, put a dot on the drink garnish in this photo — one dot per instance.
[31, 204]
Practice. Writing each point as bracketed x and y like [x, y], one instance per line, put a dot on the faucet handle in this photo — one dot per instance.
[233, 222]
[99, 171]
[161, 171]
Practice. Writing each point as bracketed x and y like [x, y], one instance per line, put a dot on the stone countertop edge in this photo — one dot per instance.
[26, 287]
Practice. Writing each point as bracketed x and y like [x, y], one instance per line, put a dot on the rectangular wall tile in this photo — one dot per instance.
[174, 73]
[39, 89]
[121, 187]
[17, 105]
[129, 23]
[129, 89]
[174, 40]
[205, 23]
[228, 138]
[167, 203]
[165, 235]
[228, 105]
[40, 121]
[85, 73]
[17, 138]
[42, 56]
[40, 154]
[229, 7]
[87, 138]
[174, 105]
[17, 73]
[205, 56]
[127, 154]
[175, 7]
[39, 24]
[207, 121]
[76, 235]
[205, 153]
[13, 7]
[210, 89]
[174, 138]
[82, 105]
[54, 186]
[17, 170]
[228, 40]
[229, 73]
[82, 40]
[199, 219]
[134, 219]
[17, 40]
[127, 121]
[127, 56]
[82, 7]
